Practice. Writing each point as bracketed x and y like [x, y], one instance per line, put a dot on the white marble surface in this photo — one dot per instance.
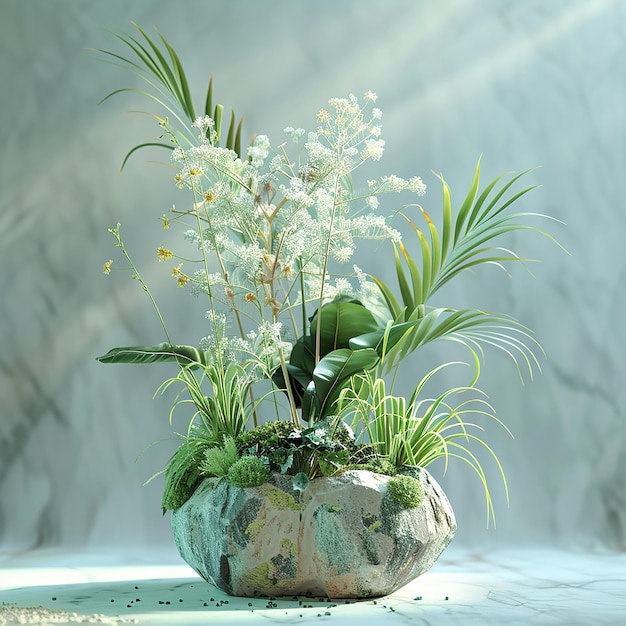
[513, 587]
[529, 83]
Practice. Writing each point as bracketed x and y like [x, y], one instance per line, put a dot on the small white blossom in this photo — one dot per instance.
[259, 150]
[374, 149]
[372, 202]
[343, 286]
[416, 184]
[294, 133]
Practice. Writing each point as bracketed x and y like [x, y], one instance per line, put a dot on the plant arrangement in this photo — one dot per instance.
[297, 368]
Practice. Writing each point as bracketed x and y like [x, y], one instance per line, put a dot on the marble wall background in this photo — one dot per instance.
[525, 83]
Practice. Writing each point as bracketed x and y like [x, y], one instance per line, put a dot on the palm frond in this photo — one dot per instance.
[468, 239]
[155, 62]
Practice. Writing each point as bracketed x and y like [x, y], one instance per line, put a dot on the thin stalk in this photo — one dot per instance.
[116, 233]
[303, 298]
[318, 330]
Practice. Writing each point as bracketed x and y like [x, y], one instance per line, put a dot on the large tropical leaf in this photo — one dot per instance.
[340, 322]
[160, 353]
[331, 375]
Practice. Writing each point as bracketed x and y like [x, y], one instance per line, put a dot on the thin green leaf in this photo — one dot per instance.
[467, 204]
[208, 103]
[182, 79]
[144, 145]
[230, 139]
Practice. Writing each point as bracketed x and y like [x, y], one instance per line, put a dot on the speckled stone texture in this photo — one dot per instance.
[343, 537]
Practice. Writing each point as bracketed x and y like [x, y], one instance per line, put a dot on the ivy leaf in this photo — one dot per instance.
[300, 481]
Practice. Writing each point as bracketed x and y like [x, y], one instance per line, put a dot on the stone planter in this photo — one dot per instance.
[342, 537]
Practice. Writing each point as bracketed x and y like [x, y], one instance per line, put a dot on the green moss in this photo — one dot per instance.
[280, 499]
[266, 436]
[378, 465]
[248, 471]
[406, 491]
[289, 546]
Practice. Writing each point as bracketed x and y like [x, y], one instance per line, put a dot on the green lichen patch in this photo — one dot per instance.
[280, 499]
[254, 528]
[333, 541]
[258, 577]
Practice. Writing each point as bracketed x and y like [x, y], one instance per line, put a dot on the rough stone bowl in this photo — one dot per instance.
[342, 537]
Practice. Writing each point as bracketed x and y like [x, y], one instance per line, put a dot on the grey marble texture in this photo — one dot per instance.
[525, 83]
[514, 587]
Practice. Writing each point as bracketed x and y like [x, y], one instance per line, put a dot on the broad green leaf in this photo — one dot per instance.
[340, 322]
[160, 353]
[334, 371]
[300, 481]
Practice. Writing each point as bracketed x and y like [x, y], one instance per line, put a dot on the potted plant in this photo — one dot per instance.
[301, 471]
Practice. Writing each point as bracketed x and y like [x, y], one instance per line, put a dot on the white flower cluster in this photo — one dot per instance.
[270, 228]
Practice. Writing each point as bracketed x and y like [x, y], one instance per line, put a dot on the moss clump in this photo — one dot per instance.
[406, 490]
[248, 471]
[378, 465]
[382, 465]
[180, 485]
[266, 436]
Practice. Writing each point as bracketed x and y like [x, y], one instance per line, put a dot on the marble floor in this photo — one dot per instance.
[506, 587]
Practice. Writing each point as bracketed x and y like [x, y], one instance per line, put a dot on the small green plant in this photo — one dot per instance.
[219, 459]
[419, 431]
[406, 490]
[264, 437]
[248, 471]
[183, 472]
[323, 449]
